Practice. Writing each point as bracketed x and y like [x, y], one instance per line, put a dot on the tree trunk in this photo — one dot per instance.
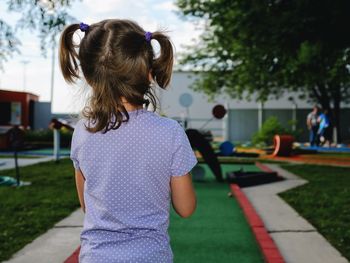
[336, 119]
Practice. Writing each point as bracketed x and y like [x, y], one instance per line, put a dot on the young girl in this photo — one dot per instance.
[129, 162]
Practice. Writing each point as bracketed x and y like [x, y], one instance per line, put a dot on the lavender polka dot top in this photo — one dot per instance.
[127, 187]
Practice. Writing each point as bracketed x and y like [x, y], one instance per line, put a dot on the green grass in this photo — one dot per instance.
[217, 232]
[333, 155]
[29, 211]
[324, 201]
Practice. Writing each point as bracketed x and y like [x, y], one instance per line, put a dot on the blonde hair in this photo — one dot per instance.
[116, 60]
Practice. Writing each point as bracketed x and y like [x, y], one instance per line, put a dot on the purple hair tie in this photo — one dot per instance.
[84, 27]
[148, 36]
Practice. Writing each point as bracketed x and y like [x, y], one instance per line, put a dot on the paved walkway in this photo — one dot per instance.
[297, 240]
[56, 245]
[9, 163]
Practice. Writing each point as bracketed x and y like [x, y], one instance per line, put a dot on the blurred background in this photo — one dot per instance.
[264, 88]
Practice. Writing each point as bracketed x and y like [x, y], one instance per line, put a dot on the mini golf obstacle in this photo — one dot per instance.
[240, 177]
[199, 142]
[283, 145]
[16, 142]
[227, 148]
[244, 178]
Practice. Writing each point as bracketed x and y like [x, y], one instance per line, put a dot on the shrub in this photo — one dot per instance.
[269, 129]
[46, 136]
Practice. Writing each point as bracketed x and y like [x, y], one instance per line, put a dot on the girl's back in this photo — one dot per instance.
[129, 162]
[127, 187]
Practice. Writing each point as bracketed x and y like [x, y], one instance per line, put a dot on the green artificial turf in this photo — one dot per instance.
[324, 201]
[217, 231]
[229, 168]
[27, 212]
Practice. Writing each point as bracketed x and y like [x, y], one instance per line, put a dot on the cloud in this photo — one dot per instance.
[167, 6]
[105, 6]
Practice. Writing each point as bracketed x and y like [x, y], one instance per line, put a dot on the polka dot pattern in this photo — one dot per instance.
[127, 187]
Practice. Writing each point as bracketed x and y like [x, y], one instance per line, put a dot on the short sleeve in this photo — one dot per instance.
[183, 157]
[74, 147]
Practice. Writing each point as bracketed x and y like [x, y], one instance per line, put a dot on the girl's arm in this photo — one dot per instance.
[79, 181]
[182, 195]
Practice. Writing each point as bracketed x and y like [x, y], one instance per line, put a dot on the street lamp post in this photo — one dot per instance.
[24, 62]
[53, 71]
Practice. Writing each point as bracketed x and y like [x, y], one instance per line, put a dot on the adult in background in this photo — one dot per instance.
[312, 125]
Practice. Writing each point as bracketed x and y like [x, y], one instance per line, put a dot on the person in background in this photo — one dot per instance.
[312, 125]
[324, 128]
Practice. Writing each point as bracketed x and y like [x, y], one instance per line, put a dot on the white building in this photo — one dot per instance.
[244, 117]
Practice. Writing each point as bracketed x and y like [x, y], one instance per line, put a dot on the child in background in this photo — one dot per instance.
[130, 163]
[324, 128]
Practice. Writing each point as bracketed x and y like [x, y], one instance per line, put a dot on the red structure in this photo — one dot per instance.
[283, 145]
[26, 101]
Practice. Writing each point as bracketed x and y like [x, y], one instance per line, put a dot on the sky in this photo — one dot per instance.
[31, 72]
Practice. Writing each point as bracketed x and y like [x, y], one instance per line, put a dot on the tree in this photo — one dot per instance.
[46, 16]
[269, 47]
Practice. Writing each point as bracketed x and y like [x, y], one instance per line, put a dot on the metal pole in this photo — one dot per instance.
[205, 124]
[187, 117]
[17, 169]
[260, 115]
[56, 144]
[53, 71]
[225, 123]
[24, 62]
[295, 108]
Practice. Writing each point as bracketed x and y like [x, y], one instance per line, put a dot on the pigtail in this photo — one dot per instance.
[162, 66]
[68, 55]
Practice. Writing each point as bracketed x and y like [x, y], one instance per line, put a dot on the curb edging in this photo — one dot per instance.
[267, 246]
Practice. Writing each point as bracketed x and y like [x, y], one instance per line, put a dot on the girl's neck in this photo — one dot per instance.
[131, 107]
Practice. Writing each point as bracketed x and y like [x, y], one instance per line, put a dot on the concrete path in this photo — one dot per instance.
[9, 163]
[298, 240]
[56, 245]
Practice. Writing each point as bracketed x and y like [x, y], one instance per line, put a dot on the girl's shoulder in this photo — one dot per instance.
[80, 125]
[164, 121]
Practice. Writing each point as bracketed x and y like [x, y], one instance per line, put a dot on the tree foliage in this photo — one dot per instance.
[47, 17]
[268, 47]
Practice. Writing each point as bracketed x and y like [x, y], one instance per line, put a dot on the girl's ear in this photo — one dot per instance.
[150, 76]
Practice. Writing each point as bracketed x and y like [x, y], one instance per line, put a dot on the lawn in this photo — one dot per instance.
[334, 155]
[324, 201]
[217, 231]
[29, 211]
